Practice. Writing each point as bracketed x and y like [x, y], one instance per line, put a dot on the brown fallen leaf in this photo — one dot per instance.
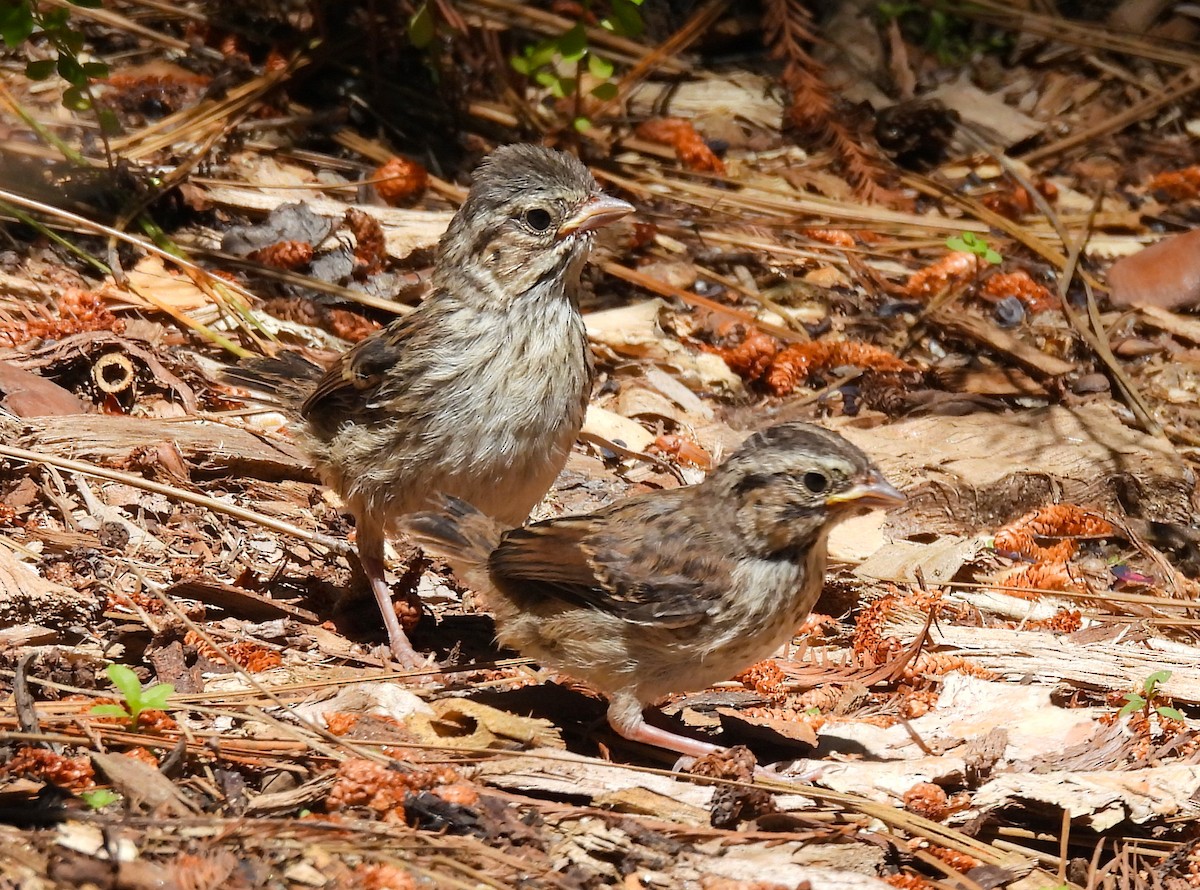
[1166, 274]
[142, 785]
[461, 722]
[26, 394]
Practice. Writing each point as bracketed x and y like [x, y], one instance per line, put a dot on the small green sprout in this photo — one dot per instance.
[1150, 690]
[99, 798]
[551, 62]
[952, 38]
[421, 27]
[22, 19]
[969, 242]
[136, 699]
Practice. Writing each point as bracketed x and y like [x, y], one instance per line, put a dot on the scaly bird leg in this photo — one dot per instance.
[402, 650]
[625, 717]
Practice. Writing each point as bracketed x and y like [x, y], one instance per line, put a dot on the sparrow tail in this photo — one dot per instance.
[459, 534]
[280, 382]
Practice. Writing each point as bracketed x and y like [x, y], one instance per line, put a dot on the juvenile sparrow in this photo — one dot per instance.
[674, 590]
[480, 392]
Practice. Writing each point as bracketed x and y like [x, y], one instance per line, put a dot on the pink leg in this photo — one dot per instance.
[402, 649]
[625, 716]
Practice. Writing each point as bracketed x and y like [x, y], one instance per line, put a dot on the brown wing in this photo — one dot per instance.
[641, 560]
[349, 382]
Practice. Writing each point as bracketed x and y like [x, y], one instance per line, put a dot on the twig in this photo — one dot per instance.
[1077, 33]
[663, 289]
[1097, 338]
[334, 545]
[149, 247]
[1180, 86]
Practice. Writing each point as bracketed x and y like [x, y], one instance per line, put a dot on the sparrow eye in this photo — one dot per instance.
[815, 482]
[538, 219]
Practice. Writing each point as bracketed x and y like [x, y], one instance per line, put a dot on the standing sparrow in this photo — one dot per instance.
[480, 392]
[668, 591]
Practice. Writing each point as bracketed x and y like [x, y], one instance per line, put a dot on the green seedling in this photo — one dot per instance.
[99, 798]
[1145, 700]
[936, 28]
[969, 242]
[556, 63]
[136, 699]
[22, 19]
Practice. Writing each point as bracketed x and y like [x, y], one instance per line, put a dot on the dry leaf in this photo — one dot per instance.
[1166, 274]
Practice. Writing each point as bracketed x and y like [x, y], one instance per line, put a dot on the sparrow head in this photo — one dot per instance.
[793, 482]
[529, 218]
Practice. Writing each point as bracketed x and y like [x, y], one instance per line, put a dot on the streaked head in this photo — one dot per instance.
[531, 213]
[791, 483]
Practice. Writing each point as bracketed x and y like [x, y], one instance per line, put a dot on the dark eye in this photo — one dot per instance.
[538, 219]
[815, 482]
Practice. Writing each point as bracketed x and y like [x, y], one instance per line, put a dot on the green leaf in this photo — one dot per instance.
[108, 711]
[55, 19]
[599, 66]
[16, 23]
[76, 99]
[605, 91]
[573, 44]
[560, 87]
[520, 64]
[625, 19]
[95, 69]
[1133, 702]
[70, 41]
[125, 680]
[156, 696]
[1155, 680]
[969, 242]
[110, 124]
[891, 11]
[421, 27]
[41, 69]
[70, 70]
[1169, 713]
[542, 53]
[582, 124]
[98, 798]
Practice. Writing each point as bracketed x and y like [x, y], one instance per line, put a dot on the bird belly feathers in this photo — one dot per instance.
[502, 460]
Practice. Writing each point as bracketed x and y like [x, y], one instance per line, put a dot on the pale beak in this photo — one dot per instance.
[598, 210]
[875, 492]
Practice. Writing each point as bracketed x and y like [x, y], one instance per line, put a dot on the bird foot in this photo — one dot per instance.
[807, 771]
[640, 731]
[401, 654]
[401, 649]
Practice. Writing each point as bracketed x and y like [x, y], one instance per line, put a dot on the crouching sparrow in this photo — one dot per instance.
[668, 591]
